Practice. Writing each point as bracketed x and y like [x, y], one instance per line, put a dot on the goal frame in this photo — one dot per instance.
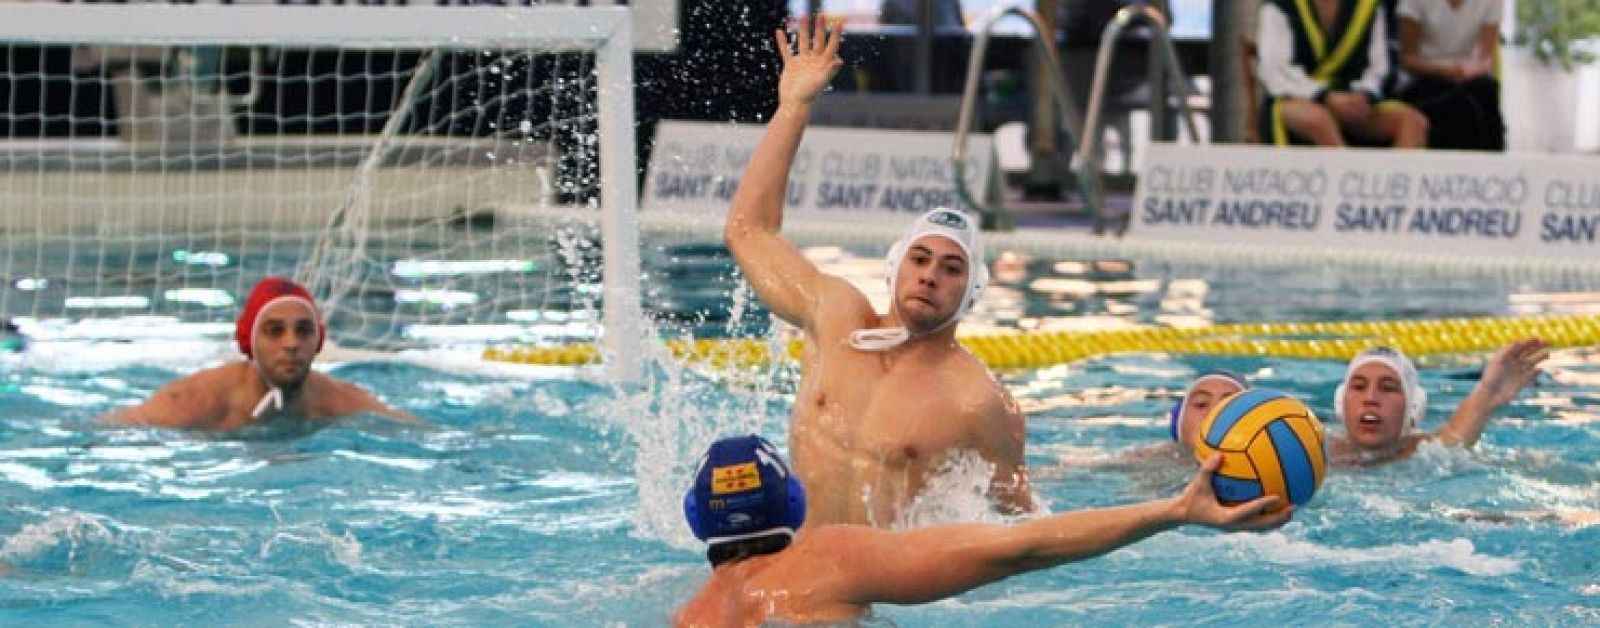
[605, 31]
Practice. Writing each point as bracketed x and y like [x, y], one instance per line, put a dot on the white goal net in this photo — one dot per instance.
[434, 174]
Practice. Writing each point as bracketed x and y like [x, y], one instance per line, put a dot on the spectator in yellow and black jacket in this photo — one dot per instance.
[1322, 65]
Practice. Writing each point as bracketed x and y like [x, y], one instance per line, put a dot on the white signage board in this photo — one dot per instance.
[696, 166]
[1455, 204]
[655, 22]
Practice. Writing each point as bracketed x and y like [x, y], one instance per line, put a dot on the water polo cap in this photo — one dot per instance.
[268, 292]
[954, 226]
[1410, 381]
[1176, 414]
[743, 490]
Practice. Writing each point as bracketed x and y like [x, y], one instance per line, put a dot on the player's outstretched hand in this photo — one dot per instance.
[810, 62]
[1511, 368]
[1200, 505]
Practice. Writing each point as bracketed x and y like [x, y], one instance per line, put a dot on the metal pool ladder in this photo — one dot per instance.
[1086, 132]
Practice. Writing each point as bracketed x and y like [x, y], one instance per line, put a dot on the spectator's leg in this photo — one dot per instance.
[1443, 104]
[1407, 126]
[1311, 121]
[1485, 93]
[1392, 121]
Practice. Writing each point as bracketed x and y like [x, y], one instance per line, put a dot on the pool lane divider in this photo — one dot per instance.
[1337, 340]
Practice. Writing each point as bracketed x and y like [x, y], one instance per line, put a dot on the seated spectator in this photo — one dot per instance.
[1447, 52]
[893, 67]
[946, 13]
[1322, 65]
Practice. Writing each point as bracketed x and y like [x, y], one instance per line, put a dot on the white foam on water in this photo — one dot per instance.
[672, 584]
[1162, 372]
[37, 538]
[170, 584]
[131, 453]
[490, 393]
[39, 453]
[549, 404]
[1277, 548]
[587, 482]
[395, 462]
[1384, 505]
[445, 507]
[27, 476]
[189, 492]
[180, 353]
[64, 396]
[344, 549]
[1114, 596]
[224, 469]
[590, 521]
[1545, 492]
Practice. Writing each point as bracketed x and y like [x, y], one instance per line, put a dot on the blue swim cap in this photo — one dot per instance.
[11, 338]
[743, 489]
[1177, 408]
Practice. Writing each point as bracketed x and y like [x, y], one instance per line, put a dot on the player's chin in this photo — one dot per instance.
[291, 375]
[922, 315]
[1371, 439]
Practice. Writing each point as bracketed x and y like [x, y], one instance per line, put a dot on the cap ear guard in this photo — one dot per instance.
[1338, 400]
[691, 514]
[795, 493]
[977, 280]
[1418, 406]
[1173, 416]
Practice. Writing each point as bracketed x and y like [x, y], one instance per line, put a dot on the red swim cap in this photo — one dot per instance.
[271, 290]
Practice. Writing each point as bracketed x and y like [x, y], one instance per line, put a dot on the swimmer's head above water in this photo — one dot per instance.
[1381, 398]
[280, 332]
[11, 338]
[744, 500]
[936, 272]
[1203, 393]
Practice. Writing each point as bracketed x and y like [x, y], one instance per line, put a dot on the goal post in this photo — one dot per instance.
[404, 126]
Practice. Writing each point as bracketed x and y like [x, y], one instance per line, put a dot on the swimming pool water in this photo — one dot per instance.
[551, 497]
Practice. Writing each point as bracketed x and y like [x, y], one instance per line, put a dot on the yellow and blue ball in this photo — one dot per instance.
[1271, 444]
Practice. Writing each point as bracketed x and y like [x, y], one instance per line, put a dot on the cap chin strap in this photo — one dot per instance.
[274, 397]
[751, 535]
[879, 338]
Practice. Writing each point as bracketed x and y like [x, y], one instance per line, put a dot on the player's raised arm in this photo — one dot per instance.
[785, 280]
[1504, 375]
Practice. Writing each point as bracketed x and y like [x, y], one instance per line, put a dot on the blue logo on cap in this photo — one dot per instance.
[949, 219]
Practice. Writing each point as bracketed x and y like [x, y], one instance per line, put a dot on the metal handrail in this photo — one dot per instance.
[1089, 150]
[1044, 44]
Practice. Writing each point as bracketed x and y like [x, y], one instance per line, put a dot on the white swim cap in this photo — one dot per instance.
[1410, 381]
[951, 225]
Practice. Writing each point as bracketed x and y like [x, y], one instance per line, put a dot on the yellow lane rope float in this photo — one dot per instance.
[1030, 350]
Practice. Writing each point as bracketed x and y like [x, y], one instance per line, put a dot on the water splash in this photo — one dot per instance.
[682, 408]
[74, 529]
[1278, 548]
[955, 491]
